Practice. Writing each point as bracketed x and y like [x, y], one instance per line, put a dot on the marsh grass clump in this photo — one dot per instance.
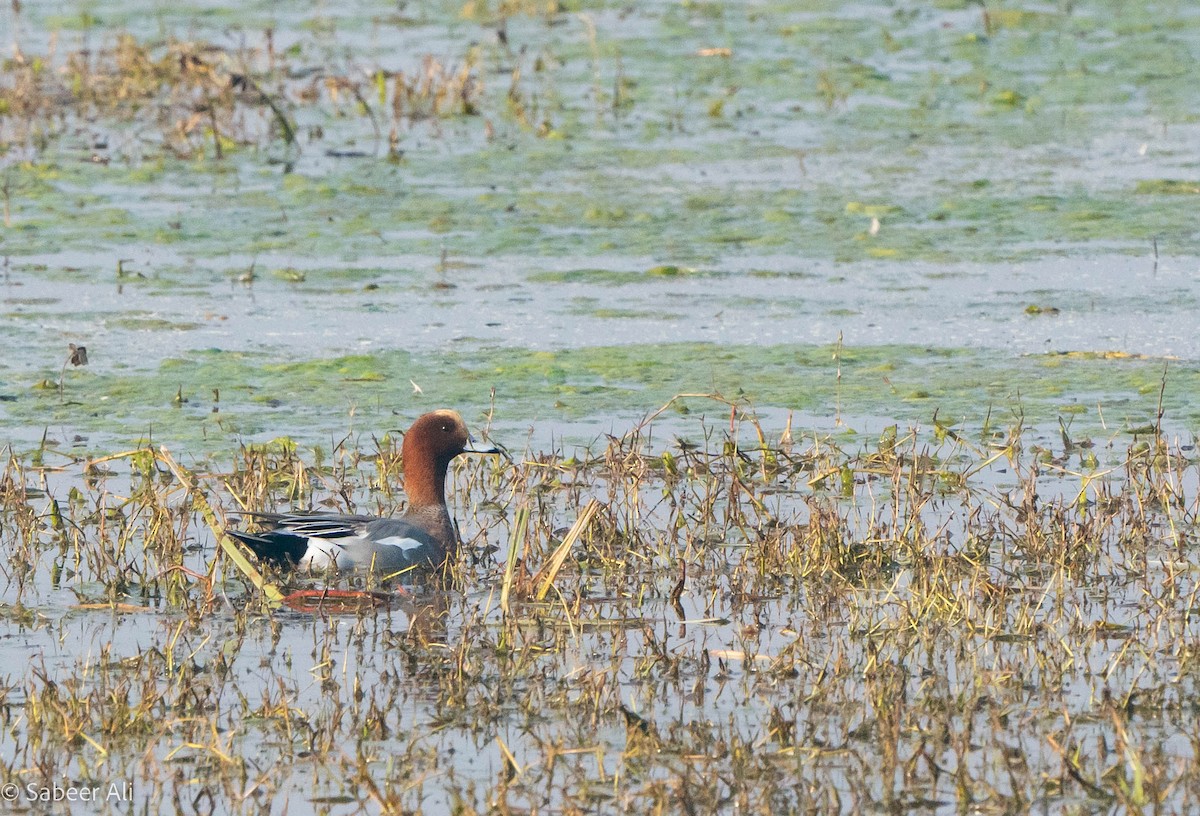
[735, 616]
[434, 90]
[198, 99]
[194, 96]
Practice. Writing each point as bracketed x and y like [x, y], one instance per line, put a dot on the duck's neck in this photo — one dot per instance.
[426, 484]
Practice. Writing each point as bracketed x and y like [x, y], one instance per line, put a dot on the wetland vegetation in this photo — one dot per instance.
[754, 619]
[921, 537]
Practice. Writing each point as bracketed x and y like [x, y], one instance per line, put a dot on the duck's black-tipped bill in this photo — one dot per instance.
[493, 450]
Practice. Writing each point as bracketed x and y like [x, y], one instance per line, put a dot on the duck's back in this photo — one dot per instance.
[423, 537]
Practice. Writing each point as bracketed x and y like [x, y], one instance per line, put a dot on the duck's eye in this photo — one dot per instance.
[445, 429]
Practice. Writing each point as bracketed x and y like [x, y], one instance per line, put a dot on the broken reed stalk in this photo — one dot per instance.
[231, 547]
[546, 575]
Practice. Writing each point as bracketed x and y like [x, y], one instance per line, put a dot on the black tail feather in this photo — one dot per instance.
[278, 547]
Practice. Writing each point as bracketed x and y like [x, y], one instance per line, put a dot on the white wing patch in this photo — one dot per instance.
[400, 542]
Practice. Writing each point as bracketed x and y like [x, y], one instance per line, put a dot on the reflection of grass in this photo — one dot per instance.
[736, 608]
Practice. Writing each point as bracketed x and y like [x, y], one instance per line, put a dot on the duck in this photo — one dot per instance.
[424, 538]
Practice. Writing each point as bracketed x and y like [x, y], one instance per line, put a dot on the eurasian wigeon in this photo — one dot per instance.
[425, 537]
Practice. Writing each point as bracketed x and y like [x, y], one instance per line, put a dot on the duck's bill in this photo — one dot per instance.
[475, 447]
